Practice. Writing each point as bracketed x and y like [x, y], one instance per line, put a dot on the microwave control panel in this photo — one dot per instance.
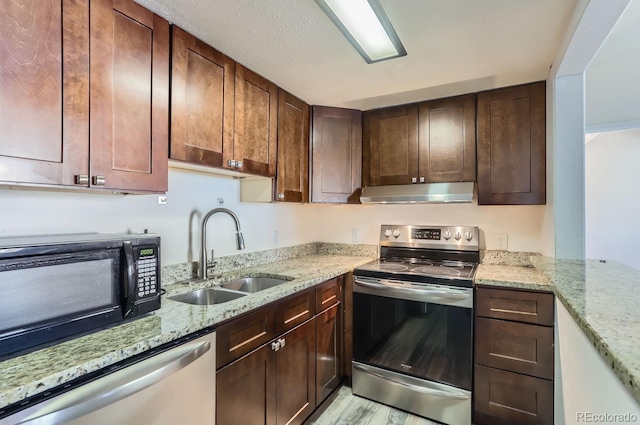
[147, 268]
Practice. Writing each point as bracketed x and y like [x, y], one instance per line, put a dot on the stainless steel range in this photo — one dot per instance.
[413, 321]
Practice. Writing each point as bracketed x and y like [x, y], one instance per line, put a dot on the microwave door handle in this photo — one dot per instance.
[116, 386]
[130, 275]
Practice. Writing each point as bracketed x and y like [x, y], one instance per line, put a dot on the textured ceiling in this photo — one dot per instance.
[454, 46]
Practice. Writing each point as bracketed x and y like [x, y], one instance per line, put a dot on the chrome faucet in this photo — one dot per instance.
[202, 266]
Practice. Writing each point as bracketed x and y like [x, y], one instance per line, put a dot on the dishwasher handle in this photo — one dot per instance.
[116, 386]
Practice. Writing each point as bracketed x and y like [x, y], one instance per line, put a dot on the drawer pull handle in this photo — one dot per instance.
[297, 316]
[332, 297]
[501, 310]
[248, 341]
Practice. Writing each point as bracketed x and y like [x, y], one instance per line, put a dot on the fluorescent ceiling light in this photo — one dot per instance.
[366, 26]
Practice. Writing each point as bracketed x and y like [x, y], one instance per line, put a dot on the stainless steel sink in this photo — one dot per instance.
[253, 284]
[208, 296]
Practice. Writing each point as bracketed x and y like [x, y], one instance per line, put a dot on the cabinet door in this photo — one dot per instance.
[507, 398]
[256, 121]
[129, 97]
[246, 390]
[448, 140]
[328, 352]
[44, 91]
[202, 102]
[511, 145]
[295, 362]
[390, 146]
[336, 165]
[292, 181]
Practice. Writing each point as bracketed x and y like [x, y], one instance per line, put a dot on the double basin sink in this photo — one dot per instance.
[228, 291]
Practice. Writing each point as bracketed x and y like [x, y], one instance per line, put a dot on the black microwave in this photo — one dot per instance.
[55, 287]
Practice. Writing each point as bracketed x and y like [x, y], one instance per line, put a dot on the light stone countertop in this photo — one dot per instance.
[602, 297]
[36, 372]
[521, 277]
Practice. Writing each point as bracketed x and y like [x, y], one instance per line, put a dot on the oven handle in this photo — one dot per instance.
[429, 391]
[435, 293]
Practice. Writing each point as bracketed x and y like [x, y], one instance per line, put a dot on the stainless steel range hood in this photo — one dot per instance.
[434, 193]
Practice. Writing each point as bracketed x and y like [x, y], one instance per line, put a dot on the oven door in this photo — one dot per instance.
[412, 346]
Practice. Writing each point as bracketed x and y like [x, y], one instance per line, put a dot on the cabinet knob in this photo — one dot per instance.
[275, 346]
[82, 179]
[99, 181]
[231, 163]
[421, 179]
[414, 180]
[238, 164]
[281, 196]
[282, 342]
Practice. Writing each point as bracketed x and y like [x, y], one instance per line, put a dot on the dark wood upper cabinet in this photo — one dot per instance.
[447, 139]
[202, 102]
[511, 145]
[336, 164]
[44, 91]
[390, 146]
[129, 104]
[292, 179]
[256, 122]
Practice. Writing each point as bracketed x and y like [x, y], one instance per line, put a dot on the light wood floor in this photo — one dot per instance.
[347, 409]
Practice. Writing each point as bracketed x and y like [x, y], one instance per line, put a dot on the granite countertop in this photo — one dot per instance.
[36, 372]
[522, 277]
[602, 297]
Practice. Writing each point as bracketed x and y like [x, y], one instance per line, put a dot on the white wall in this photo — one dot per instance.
[39, 212]
[612, 202]
[191, 194]
[583, 382]
[522, 224]
[612, 95]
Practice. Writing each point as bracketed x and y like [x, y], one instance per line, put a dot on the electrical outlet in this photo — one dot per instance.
[276, 238]
[162, 200]
[503, 240]
[355, 235]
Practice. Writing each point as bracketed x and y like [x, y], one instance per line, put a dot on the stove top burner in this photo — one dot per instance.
[419, 269]
[393, 267]
[439, 270]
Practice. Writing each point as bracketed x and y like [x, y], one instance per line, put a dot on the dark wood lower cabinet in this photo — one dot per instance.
[328, 352]
[514, 371]
[246, 389]
[277, 363]
[295, 375]
[507, 398]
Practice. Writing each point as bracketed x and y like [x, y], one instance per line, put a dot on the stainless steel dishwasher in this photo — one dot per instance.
[175, 386]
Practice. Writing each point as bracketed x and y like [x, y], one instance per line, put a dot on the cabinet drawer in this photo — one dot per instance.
[328, 293]
[242, 335]
[295, 310]
[518, 347]
[519, 306]
[507, 398]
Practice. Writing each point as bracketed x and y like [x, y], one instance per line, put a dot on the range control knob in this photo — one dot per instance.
[387, 233]
[447, 235]
[396, 233]
[468, 235]
[458, 236]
